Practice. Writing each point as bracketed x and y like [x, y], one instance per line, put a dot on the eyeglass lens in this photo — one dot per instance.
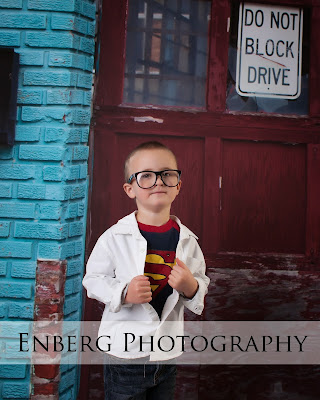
[148, 179]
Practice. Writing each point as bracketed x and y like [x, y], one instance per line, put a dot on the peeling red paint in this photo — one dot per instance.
[49, 301]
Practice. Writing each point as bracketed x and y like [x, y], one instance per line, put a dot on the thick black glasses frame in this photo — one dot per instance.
[159, 173]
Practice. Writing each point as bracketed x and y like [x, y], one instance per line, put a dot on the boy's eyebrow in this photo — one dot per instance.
[163, 169]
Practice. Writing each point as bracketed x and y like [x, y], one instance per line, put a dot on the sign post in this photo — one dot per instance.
[269, 53]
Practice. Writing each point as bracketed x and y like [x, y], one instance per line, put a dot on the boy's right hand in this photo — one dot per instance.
[139, 290]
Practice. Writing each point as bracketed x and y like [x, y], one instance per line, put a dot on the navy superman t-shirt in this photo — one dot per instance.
[161, 253]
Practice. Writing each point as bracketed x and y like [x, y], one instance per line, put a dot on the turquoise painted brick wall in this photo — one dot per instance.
[43, 177]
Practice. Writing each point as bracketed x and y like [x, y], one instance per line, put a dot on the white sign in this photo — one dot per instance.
[269, 53]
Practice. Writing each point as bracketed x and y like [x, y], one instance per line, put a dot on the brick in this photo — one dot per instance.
[74, 267]
[88, 10]
[58, 174]
[78, 191]
[75, 229]
[3, 314]
[43, 153]
[62, 59]
[85, 135]
[67, 379]
[27, 133]
[47, 371]
[73, 173]
[49, 78]
[56, 269]
[45, 390]
[85, 81]
[23, 21]
[21, 310]
[30, 57]
[68, 22]
[87, 45]
[52, 5]
[87, 98]
[60, 40]
[78, 247]
[17, 371]
[58, 192]
[15, 249]
[55, 134]
[81, 210]
[75, 316]
[81, 117]
[12, 390]
[83, 171]
[64, 96]
[35, 114]
[51, 210]
[17, 210]
[4, 228]
[71, 304]
[53, 173]
[23, 269]
[16, 290]
[11, 4]
[5, 190]
[48, 310]
[68, 287]
[8, 38]
[77, 285]
[49, 251]
[29, 96]
[6, 153]
[17, 171]
[31, 191]
[72, 135]
[41, 231]
[67, 250]
[91, 29]
[3, 268]
[89, 63]
[68, 395]
[80, 153]
[72, 211]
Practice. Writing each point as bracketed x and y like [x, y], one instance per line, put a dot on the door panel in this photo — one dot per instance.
[263, 197]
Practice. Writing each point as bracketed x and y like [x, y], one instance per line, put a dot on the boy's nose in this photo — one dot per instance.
[159, 180]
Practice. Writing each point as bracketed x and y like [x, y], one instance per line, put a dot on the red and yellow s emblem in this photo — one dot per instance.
[158, 267]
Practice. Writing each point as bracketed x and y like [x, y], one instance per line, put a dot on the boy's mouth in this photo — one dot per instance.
[159, 192]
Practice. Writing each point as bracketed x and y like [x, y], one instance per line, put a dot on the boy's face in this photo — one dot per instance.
[160, 196]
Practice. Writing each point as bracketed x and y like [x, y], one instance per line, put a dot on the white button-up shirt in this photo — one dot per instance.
[118, 256]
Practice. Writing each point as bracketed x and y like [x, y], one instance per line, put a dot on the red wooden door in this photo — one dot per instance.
[250, 191]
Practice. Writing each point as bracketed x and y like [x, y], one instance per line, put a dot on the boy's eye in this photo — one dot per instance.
[146, 175]
[169, 173]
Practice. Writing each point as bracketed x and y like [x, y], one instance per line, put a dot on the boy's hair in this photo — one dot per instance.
[144, 146]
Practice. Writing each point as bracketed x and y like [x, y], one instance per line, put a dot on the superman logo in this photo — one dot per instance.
[158, 267]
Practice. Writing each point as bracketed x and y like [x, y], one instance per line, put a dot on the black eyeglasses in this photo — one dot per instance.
[148, 179]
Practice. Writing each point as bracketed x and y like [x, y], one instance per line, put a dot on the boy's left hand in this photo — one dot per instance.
[182, 279]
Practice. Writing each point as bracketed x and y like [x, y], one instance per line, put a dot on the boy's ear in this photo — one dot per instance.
[179, 186]
[127, 187]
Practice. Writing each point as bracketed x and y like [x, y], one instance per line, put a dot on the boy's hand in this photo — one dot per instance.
[139, 290]
[182, 279]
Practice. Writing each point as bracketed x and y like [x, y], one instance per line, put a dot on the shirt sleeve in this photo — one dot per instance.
[100, 279]
[196, 263]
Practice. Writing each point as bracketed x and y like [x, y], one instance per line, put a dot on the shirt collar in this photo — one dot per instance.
[128, 226]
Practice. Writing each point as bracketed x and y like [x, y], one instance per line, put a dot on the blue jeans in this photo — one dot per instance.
[143, 381]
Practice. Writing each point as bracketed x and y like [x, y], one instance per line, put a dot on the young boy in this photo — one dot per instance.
[145, 269]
